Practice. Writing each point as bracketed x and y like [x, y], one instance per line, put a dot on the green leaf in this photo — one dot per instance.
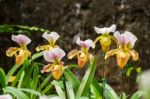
[96, 89]
[35, 56]
[11, 72]
[2, 78]
[30, 91]
[124, 96]
[45, 82]
[74, 81]
[59, 90]
[70, 91]
[17, 93]
[137, 95]
[86, 81]
[109, 92]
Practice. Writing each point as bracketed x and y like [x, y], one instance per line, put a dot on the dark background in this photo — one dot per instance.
[77, 17]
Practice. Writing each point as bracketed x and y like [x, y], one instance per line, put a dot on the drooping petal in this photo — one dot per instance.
[53, 36]
[54, 54]
[111, 53]
[86, 44]
[72, 53]
[57, 71]
[134, 54]
[6, 96]
[132, 38]
[105, 30]
[21, 39]
[12, 51]
[47, 68]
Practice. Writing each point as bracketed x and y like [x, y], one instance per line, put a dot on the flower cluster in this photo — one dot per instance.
[53, 53]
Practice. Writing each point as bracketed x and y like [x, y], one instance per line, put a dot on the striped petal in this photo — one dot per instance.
[86, 44]
[54, 54]
[21, 39]
[53, 36]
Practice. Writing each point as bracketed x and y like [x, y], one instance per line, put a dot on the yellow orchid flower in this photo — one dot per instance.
[105, 37]
[82, 55]
[21, 53]
[56, 67]
[124, 51]
[51, 38]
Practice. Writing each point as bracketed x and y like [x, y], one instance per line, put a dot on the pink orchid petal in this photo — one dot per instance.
[21, 39]
[87, 43]
[132, 38]
[54, 54]
[53, 35]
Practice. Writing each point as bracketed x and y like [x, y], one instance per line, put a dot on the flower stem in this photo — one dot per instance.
[64, 83]
[121, 83]
[103, 78]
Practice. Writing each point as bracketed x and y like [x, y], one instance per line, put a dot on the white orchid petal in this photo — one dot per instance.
[89, 43]
[54, 54]
[52, 35]
[132, 38]
[100, 30]
[21, 39]
[6, 96]
[112, 28]
[78, 41]
[117, 34]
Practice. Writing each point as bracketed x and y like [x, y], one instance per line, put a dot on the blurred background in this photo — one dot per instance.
[78, 17]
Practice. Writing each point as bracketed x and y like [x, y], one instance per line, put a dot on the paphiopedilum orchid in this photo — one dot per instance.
[82, 55]
[105, 38]
[21, 53]
[51, 38]
[126, 43]
[56, 66]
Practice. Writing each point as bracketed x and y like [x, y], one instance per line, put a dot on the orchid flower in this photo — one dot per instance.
[6, 96]
[56, 66]
[51, 38]
[21, 53]
[105, 37]
[82, 55]
[124, 51]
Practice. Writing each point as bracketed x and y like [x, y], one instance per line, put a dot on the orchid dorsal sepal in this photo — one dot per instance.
[85, 44]
[126, 38]
[105, 30]
[54, 55]
[51, 37]
[21, 39]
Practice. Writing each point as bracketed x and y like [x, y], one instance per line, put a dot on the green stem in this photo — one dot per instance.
[103, 78]
[64, 83]
[121, 83]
